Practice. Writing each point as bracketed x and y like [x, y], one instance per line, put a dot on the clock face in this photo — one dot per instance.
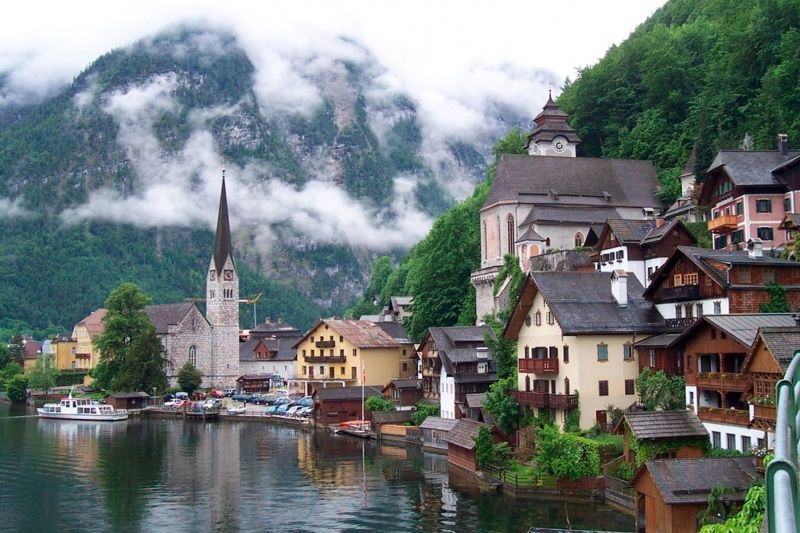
[559, 144]
[212, 275]
[228, 275]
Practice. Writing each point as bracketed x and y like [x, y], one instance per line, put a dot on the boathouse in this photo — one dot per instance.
[679, 434]
[341, 404]
[461, 447]
[434, 433]
[128, 400]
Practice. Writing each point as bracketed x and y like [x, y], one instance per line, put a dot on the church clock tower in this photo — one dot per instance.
[222, 302]
[551, 134]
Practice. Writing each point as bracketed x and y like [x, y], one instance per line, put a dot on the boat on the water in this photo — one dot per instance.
[70, 408]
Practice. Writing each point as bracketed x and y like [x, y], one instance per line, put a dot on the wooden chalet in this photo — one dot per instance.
[765, 364]
[128, 400]
[254, 383]
[334, 405]
[656, 353]
[403, 392]
[671, 492]
[461, 447]
[662, 426]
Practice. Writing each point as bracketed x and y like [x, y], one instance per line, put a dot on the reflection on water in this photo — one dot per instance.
[159, 475]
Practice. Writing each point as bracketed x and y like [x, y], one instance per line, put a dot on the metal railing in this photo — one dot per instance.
[783, 506]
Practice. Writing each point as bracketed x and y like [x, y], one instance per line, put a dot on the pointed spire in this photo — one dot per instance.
[222, 240]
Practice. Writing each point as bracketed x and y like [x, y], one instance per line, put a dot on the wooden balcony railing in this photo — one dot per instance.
[723, 381]
[680, 293]
[325, 344]
[326, 359]
[539, 366]
[737, 417]
[545, 399]
[764, 412]
[680, 323]
[723, 224]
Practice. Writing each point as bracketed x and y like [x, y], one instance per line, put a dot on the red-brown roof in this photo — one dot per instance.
[94, 322]
[361, 333]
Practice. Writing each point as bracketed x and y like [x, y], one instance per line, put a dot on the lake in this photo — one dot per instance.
[149, 474]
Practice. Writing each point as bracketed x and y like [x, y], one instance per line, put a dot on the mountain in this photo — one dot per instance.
[115, 178]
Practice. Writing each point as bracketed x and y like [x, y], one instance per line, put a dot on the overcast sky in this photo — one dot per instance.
[456, 60]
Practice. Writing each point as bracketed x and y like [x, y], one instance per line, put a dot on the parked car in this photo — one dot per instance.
[229, 391]
[216, 393]
[293, 409]
[172, 403]
[168, 397]
[184, 403]
[242, 397]
[269, 399]
[182, 395]
[282, 400]
[308, 401]
[257, 399]
[282, 408]
[270, 410]
[212, 403]
[236, 410]
[282, 392]
[305, 411]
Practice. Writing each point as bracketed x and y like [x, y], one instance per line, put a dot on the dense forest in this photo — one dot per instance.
[697, 74]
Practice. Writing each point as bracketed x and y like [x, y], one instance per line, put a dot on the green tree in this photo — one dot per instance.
[130, 351]
[4, 357]
[504, 351]
[44, 374]
[378, 403]
[9, 371]
[373, 300]
[503, 407]
[566, 455]
[16, 388]
[423, 411]
[16, 348]
[657, 391]
[489, 453]
[189, 378]
[777, 300]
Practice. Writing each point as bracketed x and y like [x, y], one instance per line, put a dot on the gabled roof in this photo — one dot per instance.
[279, 328]
[223, 247]
[556, 214]
[464, 433]
[94, 322]
[781, 343]
[530, 235]
[348, 393]
[361, 333]
[396, 302]
[460, 344]
[165, 315]
[639, 232]
[742, 327]
[576, 181]
[406, 384]
[751, 167]
[438, 423]
[30, 349]
[280, 348]
[582, 303]
[654, 425]
[690, 481]
[657, 341]
[395, 330]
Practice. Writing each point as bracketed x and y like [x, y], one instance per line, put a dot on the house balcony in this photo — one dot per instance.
[723, 224]
[736, 417]
[545, 399]
[680, 293]
[538, 366]
[325, 344]
[680, 323]
[430, 372]
[326, 359]
[722, 381]
[764, 412]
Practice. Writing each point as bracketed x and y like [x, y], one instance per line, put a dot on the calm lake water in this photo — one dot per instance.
[169, 475]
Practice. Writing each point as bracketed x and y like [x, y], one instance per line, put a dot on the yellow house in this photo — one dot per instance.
[86, 355]
[343, 353]
[575, 333]
[65, 350]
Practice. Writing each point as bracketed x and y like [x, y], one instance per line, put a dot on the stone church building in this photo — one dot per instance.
[211, 342]
[549, 199]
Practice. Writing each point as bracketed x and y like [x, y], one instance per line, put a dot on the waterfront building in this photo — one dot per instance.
[404, 393]
[342, 353]
[65, 351]
[671, 434]
[434, 433]
[461, 446]
[334, 405]
[575, 333]
[31, 351]
[749, 193]
[185, 335]
[86, 355]
[551, 198]
[456, 362]
[269, 350]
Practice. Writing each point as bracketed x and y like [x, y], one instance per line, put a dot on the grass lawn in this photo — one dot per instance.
[616, 440]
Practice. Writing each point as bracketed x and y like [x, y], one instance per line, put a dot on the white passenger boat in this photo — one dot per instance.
[70, 408]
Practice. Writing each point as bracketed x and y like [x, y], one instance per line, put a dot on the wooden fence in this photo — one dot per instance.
[620, 492]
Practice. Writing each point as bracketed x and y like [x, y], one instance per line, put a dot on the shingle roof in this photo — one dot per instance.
[438, 423]
[530, 235]
[663, 340]
[630, 231]
[396, 302]
[395, 330]
[558, 214]
[464, 433]
[391, 417]
[576, 180]
[361, 333]
[781, 342]
[406, 383]
[475, 401]
[654, 425]
[582, 303]
[282, 348]
[459, 344]
[277, 329]
[751, 167]
[31, 349]
[348, 393]
[688, 481]
[165, 315]
[742, 327]
[94, 322]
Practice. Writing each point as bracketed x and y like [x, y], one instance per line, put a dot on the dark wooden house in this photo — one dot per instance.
[655, 427]
[254, 383]
[461, 447]
[671, 492]
[128, 400]
[403, 392]
[434, 433]
[334, 405]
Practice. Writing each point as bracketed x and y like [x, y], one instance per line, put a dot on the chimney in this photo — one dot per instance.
[619, 287]
[755, 248]
[267, 319]
[783, 143]
[280, 320]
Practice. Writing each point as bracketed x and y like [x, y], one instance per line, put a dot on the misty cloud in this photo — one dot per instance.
[12, 208]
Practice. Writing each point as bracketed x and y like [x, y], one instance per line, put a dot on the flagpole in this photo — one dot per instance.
[362, 390]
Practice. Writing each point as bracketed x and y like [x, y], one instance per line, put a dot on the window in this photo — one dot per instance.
[482, 368]
[769, 276]
[764, 205]
[304, 353]
[603, 387]
[305, 371]
[602, 352]
[691, 279]
[620, 255]
[717, 308]
[321, 370]
[691, 397]
[550, 318]
[538, 318]
[720, 242]
[652, 357]
[698, 310]
[627, 352]
[688, 310]
[746, 444]
[528, 320]
[727, 211]
[787, 207]
[716, 439]
[737, 236]
[355, 352]
[193, 356]
[312, 353]
[678, 311]
[744, 275]
[341, 352]
[553, 352]
[510, 233]
[578, 240]
[527, 352]
[341, 339]
[566, 353]
[764, 233]
[730, 439]
[739, 208]
[677, 280]
[630, 388]
[353, 372]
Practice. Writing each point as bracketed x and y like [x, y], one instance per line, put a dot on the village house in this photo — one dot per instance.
[342, 353]
[749, 192]
[698, 281]
[670, 493]
[404, 393]
[64, 351]
[639, 246]
[456, 362]
[391, 425]
[31, 351]
[575, 333]
[476, 410]
[657, 354]
[434, 433]
[659, 429]
[409, 361]
[86, 355]
[334, 405]
[550, 199]
[268, 352]
[717, 386]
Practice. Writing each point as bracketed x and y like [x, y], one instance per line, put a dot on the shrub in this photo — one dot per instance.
[424, 410]
[378, 403]
[567, 455]
[16, 388]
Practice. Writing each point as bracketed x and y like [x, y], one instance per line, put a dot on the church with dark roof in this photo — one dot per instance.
[550, 198]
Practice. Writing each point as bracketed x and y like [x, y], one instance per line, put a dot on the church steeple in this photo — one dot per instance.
[222, 240]
[551, 134]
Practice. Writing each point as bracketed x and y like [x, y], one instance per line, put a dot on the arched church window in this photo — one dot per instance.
[510, 233]
[547, 242]
[193, 356]
[578, 240]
